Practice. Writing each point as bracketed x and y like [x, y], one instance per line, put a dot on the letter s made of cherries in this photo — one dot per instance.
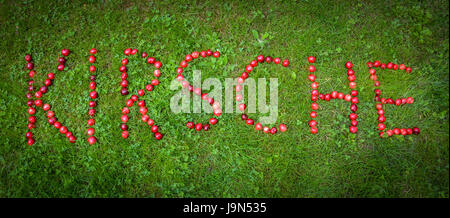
[34, 95]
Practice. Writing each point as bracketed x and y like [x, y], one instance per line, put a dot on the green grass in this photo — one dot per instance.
[231, 160]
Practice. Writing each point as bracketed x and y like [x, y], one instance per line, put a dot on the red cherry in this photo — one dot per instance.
[92, 140]
[183, 64]
[92, 85]
[46, 107]
[409, 131]
[209, 52]
[277, 60]
[144, 55]
[65, 52]
[282, 127]
[150, 60]
[92, 77]
[311, 59]
[154, 128]
[63, 130]
[249, 122]
[91, 59]
[127, 51]
[32, 119]
[47, 82]
[213, 121]
[314, 106]
[188, 58]
[389, 132]
[266, 129]
[416, 130]
[141, 92]
[62, 60]
[314, 85]
[92, 69]
[91, 112]
[129, 102]
[195, 54]
[269, 59]
[381, 126]
[155, 82]
[312, 123]
[313, 114]
[43, 89]
[50, 114]
[381, 118]
[353, 116]
[31, 111]
[258, 126]
[273, 130]
[123, 126]
[206, 127]
[143, 110]
[30, 126]
[93, 94]
[32, 73]
[93, 51]
[61, 67]
[38, 102]
[158, 64]
[92, 104]
[124, 119]
[29, 135]
[27, 57]
[408, 69]
[57, 125]
[190, 125]
[285, 64]
[312, 68]
[90, 131]
[91, 122]
[312, 77]
[349, 65]
[158, 136]
[125, 134]
[353, 107]
[30, 142]
[124, 61]
[353, 129]
[396, 131]
[145, 118]
[203, 53]
[314, 130]
[248, 68]
[244, 117]
[157, 73]
[260, 58]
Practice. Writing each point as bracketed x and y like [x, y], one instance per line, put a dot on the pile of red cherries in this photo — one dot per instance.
[135, 98]
[33, 104]
[352, 97]
[93, 95]
[383, 101]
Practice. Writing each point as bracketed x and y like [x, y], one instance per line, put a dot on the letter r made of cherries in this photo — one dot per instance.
[36, 99]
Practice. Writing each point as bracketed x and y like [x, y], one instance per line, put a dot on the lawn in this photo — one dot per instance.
[231, 159]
